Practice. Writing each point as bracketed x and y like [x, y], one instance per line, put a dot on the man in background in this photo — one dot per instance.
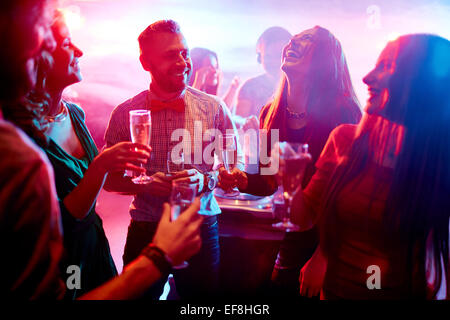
[255, 92]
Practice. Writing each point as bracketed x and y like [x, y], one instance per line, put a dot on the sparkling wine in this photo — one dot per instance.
[175, 164]
[140, 133]
[229, 158]
[140, 124]
[292, 173]
[229, 154]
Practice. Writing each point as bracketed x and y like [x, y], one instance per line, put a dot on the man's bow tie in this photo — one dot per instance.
[175, 104]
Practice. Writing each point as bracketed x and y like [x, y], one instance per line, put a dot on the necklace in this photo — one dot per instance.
[294, 115]
[60, 116]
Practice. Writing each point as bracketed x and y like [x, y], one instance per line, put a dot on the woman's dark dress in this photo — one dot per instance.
[298, 247]
[85, 241]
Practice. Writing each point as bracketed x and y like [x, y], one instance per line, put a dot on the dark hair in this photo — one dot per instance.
[8, 6]
[417, 206]
[144, 38]
[28, 113]
[271, 35]
[14, 32]
[198, 55]
[331, 99]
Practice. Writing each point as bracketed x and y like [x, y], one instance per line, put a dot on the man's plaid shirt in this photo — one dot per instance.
[201, 109]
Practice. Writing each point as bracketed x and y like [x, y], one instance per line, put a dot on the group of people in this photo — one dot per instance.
[244, 101]
[52, 173]
[374, 191]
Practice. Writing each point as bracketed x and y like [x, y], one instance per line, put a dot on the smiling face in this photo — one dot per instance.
[378, 80]
[212, 78]
[298, 54]
[167, 59]
[25, 34]
[66, 69]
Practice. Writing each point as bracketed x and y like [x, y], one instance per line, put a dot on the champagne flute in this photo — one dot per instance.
[140, 129]
[229, 155]
[175, 164]
[181, 197]
[292, 166]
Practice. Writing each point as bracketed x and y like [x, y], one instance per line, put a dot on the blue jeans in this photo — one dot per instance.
[200, 279]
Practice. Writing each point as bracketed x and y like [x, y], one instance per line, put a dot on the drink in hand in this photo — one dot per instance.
[178, 208]
[140, 131]
[229, 155]
[175, 162]
[229, 158]
[181, 197]
[292, 161]
[292, 174]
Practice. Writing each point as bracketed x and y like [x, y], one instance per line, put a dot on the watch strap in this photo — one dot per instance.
[159, 258]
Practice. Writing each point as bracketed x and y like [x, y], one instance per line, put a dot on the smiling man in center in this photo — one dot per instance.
[173, 106]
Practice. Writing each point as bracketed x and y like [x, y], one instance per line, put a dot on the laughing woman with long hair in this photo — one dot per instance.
[315, 96]
[380, 195]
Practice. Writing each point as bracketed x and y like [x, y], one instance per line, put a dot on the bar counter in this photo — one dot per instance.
[248, 245]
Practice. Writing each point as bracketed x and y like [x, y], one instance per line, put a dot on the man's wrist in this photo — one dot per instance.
[98, 166]
[205, 183]
[210, 181]
[159, 258]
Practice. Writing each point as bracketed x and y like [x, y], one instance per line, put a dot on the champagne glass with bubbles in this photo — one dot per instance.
[229, 155]
[175, 162]
[140, 129]
[292, 167]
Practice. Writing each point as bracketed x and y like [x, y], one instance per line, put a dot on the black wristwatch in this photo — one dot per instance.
[210, 182]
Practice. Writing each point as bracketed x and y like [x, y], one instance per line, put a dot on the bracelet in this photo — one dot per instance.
[160, 259]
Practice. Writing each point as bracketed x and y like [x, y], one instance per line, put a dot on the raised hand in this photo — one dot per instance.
[201, 75]
[236, 178]
[191, 176]
[123, 156]
[251, 122]
[180, 239]
[160, 185]
[235, 83]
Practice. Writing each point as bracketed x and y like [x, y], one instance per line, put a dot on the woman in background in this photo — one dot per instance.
[206, 75]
